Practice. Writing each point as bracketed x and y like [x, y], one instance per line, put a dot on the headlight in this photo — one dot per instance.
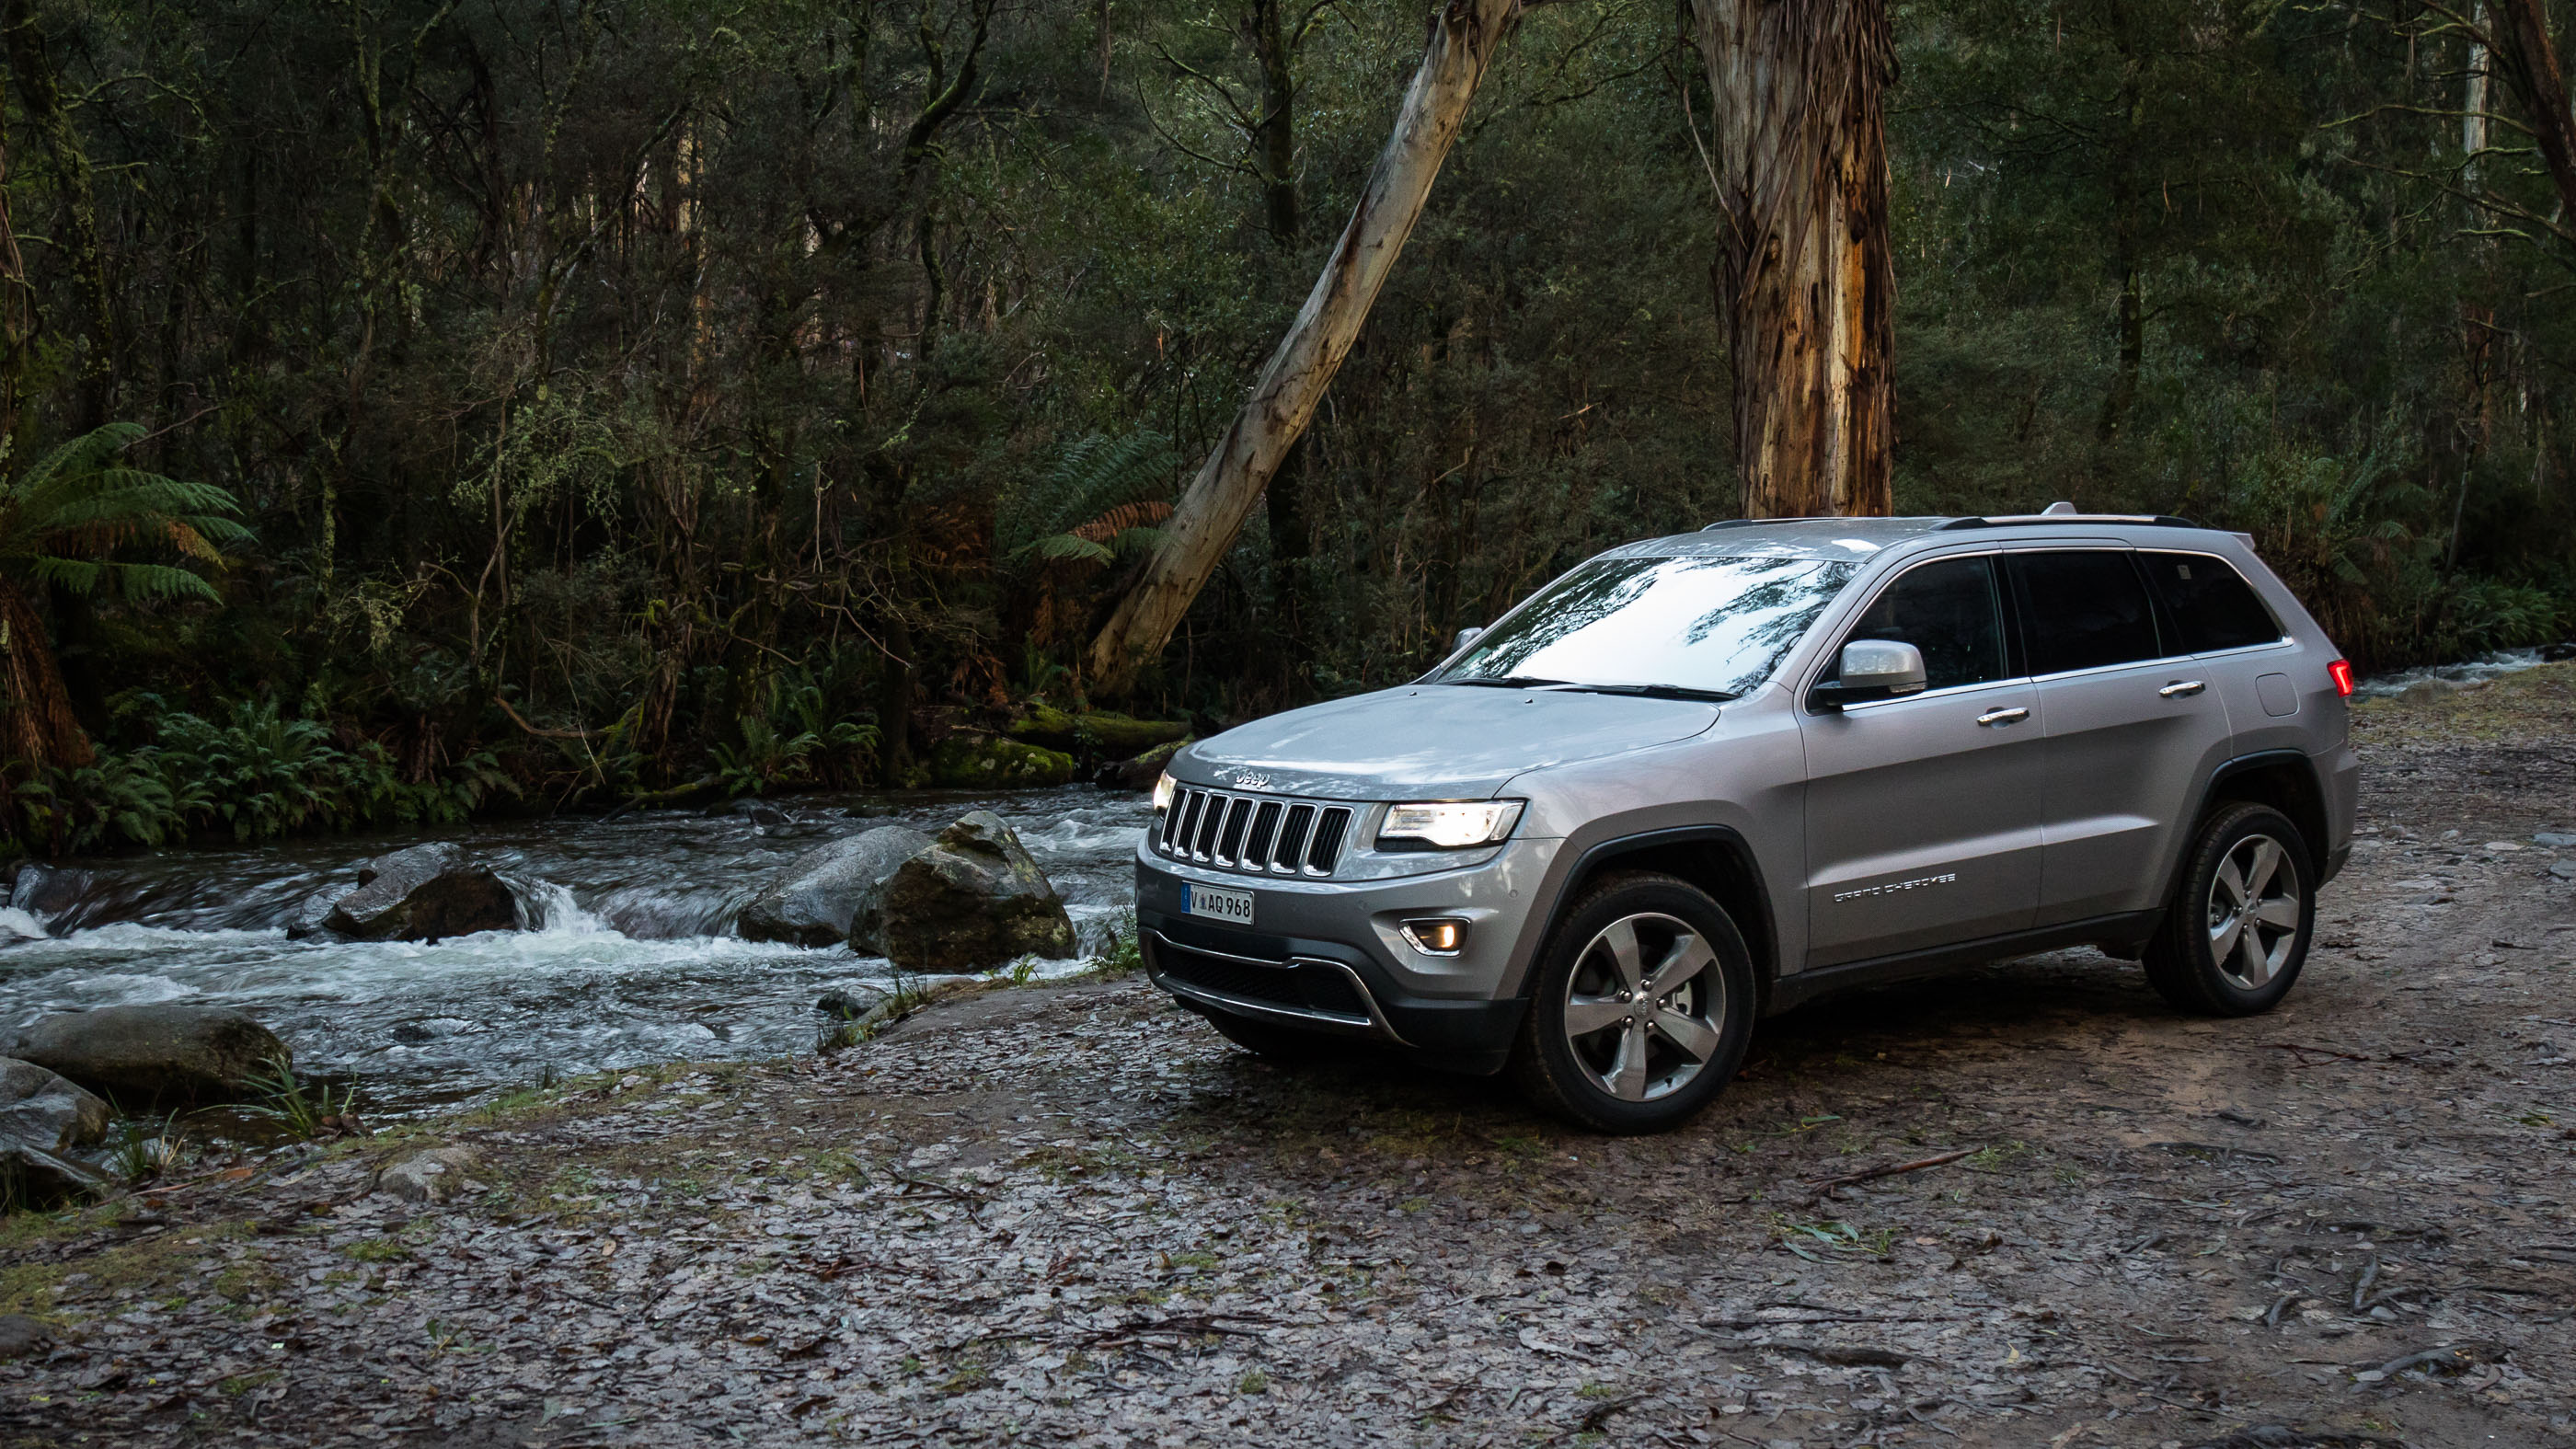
[1449, 824]
[1163, 788]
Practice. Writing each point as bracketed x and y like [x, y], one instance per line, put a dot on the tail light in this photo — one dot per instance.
[2341, 672]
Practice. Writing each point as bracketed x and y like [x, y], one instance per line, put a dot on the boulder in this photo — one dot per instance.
[813, 898]
[2558, 653]
[429, 1176]
[972, 900]
[44, 1123]
[143, 1054]
[974, 760]
[423, 894]
[751, 808]
[1141, 772]
[1097, 732]
[45, 891]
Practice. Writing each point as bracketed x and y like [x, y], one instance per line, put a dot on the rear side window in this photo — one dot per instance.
[2083, 609]
[1947, 610]
[2210, 602]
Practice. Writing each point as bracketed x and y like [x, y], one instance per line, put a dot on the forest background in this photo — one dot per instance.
[422, 407]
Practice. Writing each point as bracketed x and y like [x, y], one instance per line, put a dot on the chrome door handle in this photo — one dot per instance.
[2003, 716]
[2179, 688]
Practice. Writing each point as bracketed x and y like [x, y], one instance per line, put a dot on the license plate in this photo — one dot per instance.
[1217, 903]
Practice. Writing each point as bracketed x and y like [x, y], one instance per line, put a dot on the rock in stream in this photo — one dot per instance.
[973, 899]
[812, 901]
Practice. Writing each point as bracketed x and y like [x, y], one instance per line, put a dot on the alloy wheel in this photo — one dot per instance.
[2254, 911]
[1642, 1006]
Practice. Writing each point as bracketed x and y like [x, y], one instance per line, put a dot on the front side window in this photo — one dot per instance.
[2210, 602]
[1705, 625]
[2083, 609]
[1949, 611]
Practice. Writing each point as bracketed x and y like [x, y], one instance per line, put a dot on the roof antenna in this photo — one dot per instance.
[2059, 509]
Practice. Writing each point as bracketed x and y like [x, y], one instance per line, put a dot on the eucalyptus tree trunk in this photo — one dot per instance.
[1806, 278]
[1465, 34]
[2522, 51]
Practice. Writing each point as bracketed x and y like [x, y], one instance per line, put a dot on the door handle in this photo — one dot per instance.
[2003, 716]
[2179, 688]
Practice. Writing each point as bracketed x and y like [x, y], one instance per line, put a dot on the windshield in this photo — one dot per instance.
[1706, 625]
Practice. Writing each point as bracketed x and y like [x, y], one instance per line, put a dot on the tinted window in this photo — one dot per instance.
[2210, 602]
[1699, 623]
[2083, 609]
[1948, 611]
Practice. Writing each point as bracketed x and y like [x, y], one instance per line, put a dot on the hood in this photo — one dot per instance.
[1434, 740]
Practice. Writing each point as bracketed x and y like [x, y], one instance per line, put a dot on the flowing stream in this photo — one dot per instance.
[631, 957]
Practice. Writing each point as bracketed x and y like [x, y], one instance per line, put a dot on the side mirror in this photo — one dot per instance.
[1873, 669]
[1467, 636]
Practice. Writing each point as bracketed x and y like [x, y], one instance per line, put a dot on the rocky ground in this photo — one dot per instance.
[1072, 1214]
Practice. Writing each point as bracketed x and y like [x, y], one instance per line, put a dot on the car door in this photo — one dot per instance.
[2133, 727]
[1922, 811]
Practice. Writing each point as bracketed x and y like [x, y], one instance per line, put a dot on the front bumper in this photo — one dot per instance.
[1328, 956]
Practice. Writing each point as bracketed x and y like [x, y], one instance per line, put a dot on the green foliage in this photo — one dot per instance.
[1094, 504]
[63, 516]
[257, 776]
[299, 1110]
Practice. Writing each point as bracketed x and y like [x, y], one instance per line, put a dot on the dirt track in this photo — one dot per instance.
[1072, 1214]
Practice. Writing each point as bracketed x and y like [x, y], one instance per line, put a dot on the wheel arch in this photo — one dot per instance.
[2285, 780]
[1715, 858]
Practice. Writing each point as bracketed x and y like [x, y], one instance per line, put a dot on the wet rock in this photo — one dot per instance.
[813, 899]
[974, 760]
[425, 893]
[1095, 732]
[44, 1122]
[2554, 839]
[46, 891]
[1141, 772]
[21, 1335]
[2558, 653]
[973, 899]
[144, 1054]
[2563, 869]
[846, 1004]
[431, 1176]
[757, 811]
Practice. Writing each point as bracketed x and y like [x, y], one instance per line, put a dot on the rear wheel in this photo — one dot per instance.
[1641, 1007]
[2236, 932]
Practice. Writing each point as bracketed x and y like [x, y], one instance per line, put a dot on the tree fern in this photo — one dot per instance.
[1101, 498]
[65, 521]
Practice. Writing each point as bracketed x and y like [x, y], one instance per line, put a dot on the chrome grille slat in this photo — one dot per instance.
[1255, 834]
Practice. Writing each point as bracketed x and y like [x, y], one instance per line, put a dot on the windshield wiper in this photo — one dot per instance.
[1656, 691]
[1505, 681]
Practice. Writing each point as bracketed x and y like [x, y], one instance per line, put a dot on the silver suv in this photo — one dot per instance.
[1701, 779]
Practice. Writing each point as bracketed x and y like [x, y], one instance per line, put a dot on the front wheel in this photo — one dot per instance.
[2236, 932]
[1641, 1008]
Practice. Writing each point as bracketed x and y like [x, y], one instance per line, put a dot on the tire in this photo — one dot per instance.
[2215, 955]
[1641, 1065]
[1283, 1044]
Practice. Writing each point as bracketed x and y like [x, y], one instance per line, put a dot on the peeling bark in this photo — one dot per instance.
[1806, 276]
[1465, 34]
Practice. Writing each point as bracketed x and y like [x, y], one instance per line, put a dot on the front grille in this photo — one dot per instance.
[1253, 833]
[1296, 985]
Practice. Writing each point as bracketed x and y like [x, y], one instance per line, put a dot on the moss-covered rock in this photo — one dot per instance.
[1095, 732]
[1141, 772]
[973, 760]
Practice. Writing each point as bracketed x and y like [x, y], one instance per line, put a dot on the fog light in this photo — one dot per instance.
[1437, 935]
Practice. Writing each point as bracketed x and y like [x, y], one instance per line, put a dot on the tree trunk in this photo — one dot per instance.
[1806, 278]
[1274, 134]
[1465, 34]
[2529, 63]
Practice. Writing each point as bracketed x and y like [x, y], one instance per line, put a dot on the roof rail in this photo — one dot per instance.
[2158, 520]
[1737, 523]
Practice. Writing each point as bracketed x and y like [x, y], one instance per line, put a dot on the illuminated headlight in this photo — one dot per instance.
[1163, 788]
[1449, 824]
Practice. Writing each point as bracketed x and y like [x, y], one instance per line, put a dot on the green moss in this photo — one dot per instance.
[970, 761]
[1095, 731]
